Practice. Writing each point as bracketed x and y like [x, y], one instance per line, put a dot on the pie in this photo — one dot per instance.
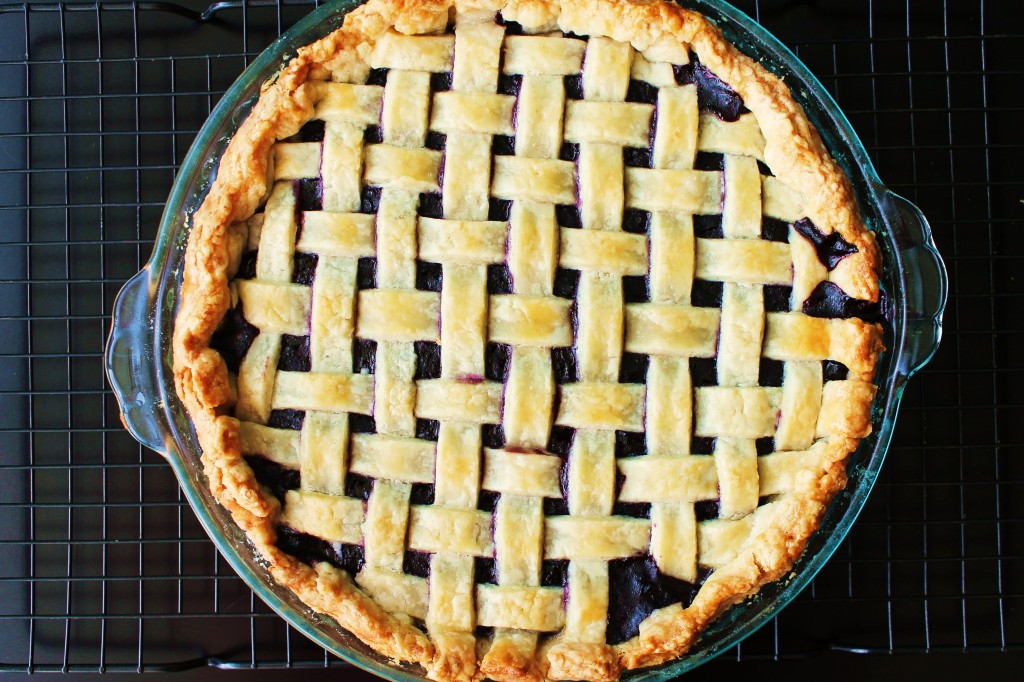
[524, 338]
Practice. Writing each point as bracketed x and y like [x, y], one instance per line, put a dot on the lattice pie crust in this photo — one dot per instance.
[562, 170]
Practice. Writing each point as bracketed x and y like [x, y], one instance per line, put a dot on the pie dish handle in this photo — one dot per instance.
[131, 361]
[924, 282]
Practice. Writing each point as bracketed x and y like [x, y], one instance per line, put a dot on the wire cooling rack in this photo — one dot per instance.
[103, 567]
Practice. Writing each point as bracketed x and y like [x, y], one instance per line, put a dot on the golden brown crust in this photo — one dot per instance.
[796, 155]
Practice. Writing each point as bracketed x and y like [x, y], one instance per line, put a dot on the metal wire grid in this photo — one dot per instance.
[103, 567]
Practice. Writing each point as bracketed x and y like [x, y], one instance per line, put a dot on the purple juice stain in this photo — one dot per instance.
[313, 550]
[830, 248]
[499, 279]
[286, 419]
[713, 94]
[276, 478]
[769, 373]
[304, 268]
[294, 355]
[312, 131]
[469, 378]
[834, 371]
[777, 298]
[416, 563]
[428, 360]
[636, 589]
[497, 358]
[829, 300]
[233, 338]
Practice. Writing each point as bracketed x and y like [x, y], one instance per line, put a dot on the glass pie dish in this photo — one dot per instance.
[139, 356]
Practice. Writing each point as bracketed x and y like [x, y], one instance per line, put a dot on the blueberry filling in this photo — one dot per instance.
[428, 276]
[777, 297]
[774, 230]
[510, 84]
[313, 550]
[709, 161]
[635, 289]
[703, 372]
[294, 355]
[358, 486]
[499, 279]
[496, 359]
[503, 145]
[708, 227]
[277, 478]
[366, 273]
[247, 266]
[629, 444]
[713, 94]
[485, 570]
[427, 429]
[706, 294]
[706, 510]
[636, 589]
[637, 157]
[764, 446]
[568, 216]
[431, 205]
[422, 494]
[373, 134]
[488, 501]
[642, 92]
[313, 131]
[441, 81]
[574, 86]
[830, 248]
[569, 151]
[567, 282]
[416, 563]
[286, 419]
[428, 360]
[633, 368]
[499, 209]
[636, 220]
[554, 572]
[834, 371]
[304, 268]
[309, 196]
[770, 372]
[563, 362]
[364, 356]
[377, 77]
[233, 338]
[369, 199]
[829, 300]
[493, 436]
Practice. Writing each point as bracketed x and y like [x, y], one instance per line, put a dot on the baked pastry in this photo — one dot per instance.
[524, 338]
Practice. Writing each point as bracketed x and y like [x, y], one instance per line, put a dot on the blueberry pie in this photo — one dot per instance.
[524, 338]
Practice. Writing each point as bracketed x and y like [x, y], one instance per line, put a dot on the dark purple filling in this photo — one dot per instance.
[493, 435]
[313, 131]
[499, 279]
[834, 371]
[709, 161]
[636, 220]
[286, 419]
[712, 93]
[777, 298]
[427, 429]
[358, 486]
[629, 444]
[642, 92]
[568, 216]
[708, 227]
[512, 28]
[829, 300]
[488, 501]
[304, 268]
[313, 550]
[499, 209]
[503, 145]
[309, 196]
[638, 157]
[431, 205]
[428, 360]
[497, 357]
[436, 141]
[574, 86]
[233, 337]
[830, 248]
[765, 446]
[278, 479]
[294, 354]
[703, 372]
[364, 356]
[485, 570]
[633, 368]
[377, 77]
[510, 84]
[361, 423]
[774, 230]
[247, 267]
[416, 563]
[366, 273]
[373, 134]
[563, 362]
[769, 373]
[708, 509]
[369, 200]
[570, 151]
[706, 294]
[428, 276]
[422, 494]
[567, 282]
[635, 289]
[637, 588]
[554, 572]
[441, 81]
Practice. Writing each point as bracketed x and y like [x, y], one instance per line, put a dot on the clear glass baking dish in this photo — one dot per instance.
[138, 352]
